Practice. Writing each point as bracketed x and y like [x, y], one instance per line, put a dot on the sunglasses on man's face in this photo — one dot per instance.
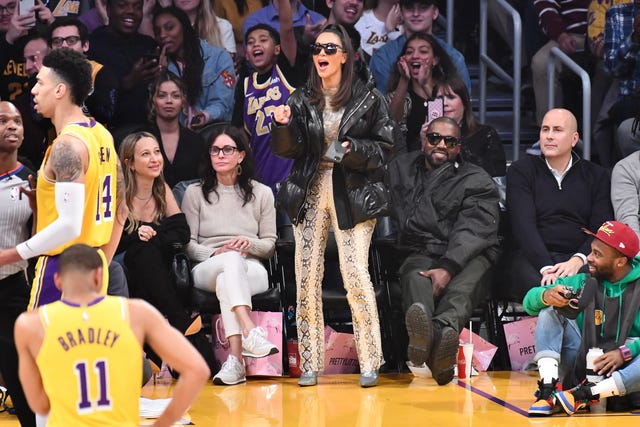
[329, 48]
[449, 141]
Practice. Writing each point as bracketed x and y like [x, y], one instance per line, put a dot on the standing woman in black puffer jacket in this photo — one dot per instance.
[339, 133]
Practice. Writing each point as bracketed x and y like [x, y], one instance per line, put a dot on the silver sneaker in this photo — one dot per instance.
[232, 372]
[257, 345]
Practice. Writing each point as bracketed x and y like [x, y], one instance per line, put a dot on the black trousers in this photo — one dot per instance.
[14, 297]
[149, 278]
[521, 275]
[456, 303]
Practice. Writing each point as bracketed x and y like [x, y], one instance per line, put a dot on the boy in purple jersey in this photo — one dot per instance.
[273, 59]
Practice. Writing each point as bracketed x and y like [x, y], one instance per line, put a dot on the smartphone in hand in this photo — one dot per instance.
[25, 6]
[151, 56]
[335, 152]
[435, 109]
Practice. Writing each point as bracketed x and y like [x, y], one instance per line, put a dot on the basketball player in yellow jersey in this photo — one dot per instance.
[80, 356]
[77, 182]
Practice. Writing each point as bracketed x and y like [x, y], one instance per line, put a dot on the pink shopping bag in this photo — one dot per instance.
[340, 353]
[520, 337]
[271, 322]
[483, 350]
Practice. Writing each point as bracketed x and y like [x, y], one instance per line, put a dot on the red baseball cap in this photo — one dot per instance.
[619, 236]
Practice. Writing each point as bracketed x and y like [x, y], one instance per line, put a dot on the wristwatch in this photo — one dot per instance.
[626, 353]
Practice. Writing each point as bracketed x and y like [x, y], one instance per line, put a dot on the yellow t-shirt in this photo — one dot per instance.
[100, 187]
[91, 363]
[228, 10]
[596, 20]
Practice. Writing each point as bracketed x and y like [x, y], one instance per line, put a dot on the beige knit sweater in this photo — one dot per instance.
[212, 224]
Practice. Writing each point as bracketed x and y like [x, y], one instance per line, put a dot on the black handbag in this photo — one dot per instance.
[181, 271]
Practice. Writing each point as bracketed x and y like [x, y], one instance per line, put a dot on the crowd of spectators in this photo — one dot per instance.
[178, 69]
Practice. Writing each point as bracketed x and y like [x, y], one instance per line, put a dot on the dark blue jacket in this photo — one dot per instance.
[547, 218]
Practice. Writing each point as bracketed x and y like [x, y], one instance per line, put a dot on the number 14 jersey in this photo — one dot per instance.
[100, 187]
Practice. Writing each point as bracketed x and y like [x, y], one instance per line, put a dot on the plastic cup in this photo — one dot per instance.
[465, 356]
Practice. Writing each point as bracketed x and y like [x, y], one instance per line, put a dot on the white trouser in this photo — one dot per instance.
[234, 279]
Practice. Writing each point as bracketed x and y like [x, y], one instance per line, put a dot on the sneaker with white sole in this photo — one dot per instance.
[257, 345]
[232, 372]
[577, 398]
[546, 398]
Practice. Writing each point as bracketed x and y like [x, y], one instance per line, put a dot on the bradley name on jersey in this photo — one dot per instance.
[89, 335]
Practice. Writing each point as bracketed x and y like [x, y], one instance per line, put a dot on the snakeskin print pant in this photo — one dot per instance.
[353, 251]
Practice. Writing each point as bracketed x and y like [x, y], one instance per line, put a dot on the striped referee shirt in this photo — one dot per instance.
[14, 214]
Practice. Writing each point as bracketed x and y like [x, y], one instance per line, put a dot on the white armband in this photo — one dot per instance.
[68, 226]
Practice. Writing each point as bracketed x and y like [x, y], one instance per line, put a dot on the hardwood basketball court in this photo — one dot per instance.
[490, 399]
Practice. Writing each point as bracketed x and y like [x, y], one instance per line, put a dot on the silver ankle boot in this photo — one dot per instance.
[369, 379]
[308, 378]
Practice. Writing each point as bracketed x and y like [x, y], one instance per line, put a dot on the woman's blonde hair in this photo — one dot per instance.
[206, 24]
[127, 153]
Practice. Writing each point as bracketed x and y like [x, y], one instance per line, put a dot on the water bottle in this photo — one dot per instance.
[593, 377]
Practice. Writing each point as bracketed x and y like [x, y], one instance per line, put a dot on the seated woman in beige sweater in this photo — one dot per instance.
[233, 225]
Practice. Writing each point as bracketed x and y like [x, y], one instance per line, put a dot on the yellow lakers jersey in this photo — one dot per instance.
[100, 187]
[91, 363]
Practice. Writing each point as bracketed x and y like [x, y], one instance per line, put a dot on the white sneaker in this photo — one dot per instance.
[232, 372]
[257, 345]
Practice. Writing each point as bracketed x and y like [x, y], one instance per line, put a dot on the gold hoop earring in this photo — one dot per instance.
[239, 169]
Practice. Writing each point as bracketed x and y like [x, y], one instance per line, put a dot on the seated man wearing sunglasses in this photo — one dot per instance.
[446, 216]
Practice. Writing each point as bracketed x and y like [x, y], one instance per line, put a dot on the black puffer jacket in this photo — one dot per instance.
[358, 188]
[450, 213]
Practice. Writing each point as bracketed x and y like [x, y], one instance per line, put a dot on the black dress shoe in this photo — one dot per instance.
[444, 353]
[420, 331]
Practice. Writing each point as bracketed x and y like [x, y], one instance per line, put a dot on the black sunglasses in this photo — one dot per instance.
[449, 141]
[329, 48]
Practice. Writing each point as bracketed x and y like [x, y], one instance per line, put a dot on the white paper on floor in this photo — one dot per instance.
[152, 408]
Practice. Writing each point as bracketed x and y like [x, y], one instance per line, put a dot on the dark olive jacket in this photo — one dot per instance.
[450, 213]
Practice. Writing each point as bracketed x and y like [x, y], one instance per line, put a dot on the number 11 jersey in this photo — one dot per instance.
[91, 363]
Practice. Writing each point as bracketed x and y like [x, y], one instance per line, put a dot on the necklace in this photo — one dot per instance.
[143, 198]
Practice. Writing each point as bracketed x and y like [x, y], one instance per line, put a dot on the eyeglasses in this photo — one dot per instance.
[449, 141]
[8, 8]
[329, 48]
[227, 150]
[70, 41]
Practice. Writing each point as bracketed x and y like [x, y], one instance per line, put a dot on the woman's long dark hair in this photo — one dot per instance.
[166, 76]
[208, 177]
[444, 67]
[454, 83]
[343, 95]
[193, 63]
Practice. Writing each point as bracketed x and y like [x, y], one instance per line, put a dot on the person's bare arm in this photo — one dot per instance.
[288, 44]
[67, 165]
[177, 352]
[28, 336]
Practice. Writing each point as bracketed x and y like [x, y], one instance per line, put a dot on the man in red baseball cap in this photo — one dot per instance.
[607, 304]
